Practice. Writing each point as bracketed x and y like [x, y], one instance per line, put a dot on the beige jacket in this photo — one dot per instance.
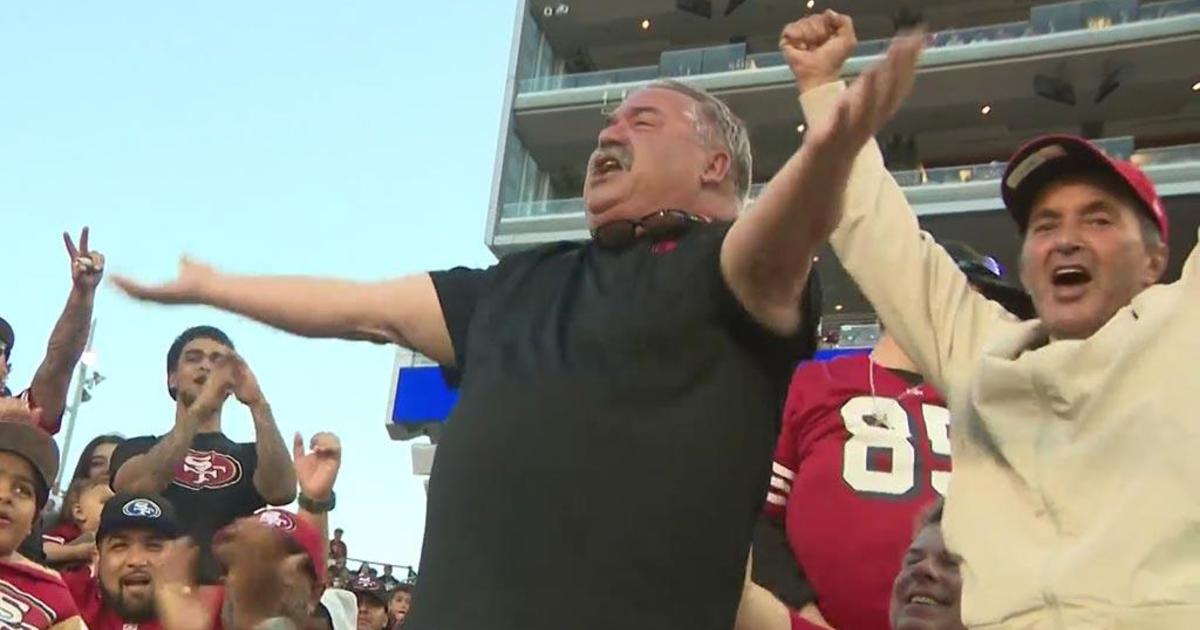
[1075, 501]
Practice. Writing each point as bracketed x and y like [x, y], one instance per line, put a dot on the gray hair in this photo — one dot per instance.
[717, 124]
[1150, 235]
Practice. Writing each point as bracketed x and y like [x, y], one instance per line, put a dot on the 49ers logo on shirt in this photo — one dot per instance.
[208, 470]
[22, 610]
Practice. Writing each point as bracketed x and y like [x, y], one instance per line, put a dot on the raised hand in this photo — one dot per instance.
[871, 100]
[262, 581]
[186, 288]
[87, 265]
[245, 383]
[816, 47]
[216, 389]
[178, 601]
[317, 470]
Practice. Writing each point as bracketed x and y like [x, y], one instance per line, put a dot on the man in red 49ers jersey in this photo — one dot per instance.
[864, 449]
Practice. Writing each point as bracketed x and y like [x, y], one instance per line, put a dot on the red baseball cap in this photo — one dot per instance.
[1041, 160]
[302, 532]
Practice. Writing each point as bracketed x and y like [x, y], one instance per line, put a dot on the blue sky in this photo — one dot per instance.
[353, 139]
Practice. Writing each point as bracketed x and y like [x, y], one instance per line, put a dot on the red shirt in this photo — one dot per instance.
[85, 588]
[852, 474]
[48, 424]
[33, 598]
[62, 533]
[337, 549]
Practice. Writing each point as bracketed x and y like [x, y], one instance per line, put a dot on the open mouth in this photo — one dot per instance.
[606, 164]
[136, 581]
[924, 600]
[1070, 276]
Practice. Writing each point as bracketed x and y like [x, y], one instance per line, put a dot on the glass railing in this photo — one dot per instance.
[1044, 19]
[1121, 148]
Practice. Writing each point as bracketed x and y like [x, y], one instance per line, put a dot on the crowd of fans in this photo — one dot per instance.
[599, 525]
[179, 531]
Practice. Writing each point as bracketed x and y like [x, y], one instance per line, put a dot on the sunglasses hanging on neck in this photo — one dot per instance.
[657, 226]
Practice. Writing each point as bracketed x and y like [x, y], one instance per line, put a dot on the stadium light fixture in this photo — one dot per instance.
[1196, 86]
[812, 3]
[838, 307]
[800, 128]
[645, 25]
[985, 110]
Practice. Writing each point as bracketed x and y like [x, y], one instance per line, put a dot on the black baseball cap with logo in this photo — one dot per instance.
[127, 510]
[370, 587]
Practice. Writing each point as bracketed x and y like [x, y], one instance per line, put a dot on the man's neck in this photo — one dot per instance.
[888, 354]
[211, 424]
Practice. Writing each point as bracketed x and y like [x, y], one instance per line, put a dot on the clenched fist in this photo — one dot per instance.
[816, 47]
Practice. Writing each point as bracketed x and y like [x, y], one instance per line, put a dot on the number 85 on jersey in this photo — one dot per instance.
[893, 436]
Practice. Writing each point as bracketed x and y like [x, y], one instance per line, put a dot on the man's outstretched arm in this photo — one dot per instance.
[404, 311]
[917, 289]
[767, 255]
[52, 381]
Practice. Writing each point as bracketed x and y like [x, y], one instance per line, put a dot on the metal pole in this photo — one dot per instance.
[73, 409]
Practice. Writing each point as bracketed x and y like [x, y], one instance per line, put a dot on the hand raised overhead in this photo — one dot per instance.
[87, 265]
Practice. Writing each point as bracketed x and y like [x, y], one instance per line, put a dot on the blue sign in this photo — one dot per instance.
[832, 353]
[422, 396]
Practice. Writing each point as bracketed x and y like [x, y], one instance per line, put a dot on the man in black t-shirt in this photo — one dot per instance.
[618, 399]
[210, 479]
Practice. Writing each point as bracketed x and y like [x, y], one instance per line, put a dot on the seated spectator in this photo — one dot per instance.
[34, 598]
[90, 497]
[132, 533]
[372, 603]
[398, 604]
[927, 594]
[210, 479]
[275, 560]
[388, 580]
[340, 575]
[60, 543]
[337, 547]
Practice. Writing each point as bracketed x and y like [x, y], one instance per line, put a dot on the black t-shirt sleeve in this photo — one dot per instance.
[459, 291]
[775, 567]
[251, 498]
[127, 450]
[801, 344]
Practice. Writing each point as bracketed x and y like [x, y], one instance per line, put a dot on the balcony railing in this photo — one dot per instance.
[1044, 19]
[1121, 148]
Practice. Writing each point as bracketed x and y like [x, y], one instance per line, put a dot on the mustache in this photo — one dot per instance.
[617, 152]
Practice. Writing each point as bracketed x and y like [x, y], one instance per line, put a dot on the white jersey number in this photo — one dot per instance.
[893, 433]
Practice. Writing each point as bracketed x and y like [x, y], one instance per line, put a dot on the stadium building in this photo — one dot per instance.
[997, 72]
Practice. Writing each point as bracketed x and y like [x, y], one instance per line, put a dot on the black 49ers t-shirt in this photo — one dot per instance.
[611, 445]
[213, 486]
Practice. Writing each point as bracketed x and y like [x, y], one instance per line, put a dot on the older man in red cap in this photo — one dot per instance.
[1073, 502]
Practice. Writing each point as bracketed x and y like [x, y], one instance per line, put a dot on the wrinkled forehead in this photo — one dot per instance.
[1078, 191]
[666, 102]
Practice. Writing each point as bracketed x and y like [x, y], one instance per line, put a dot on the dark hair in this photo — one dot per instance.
[188, 336]
[85, 458]
[933, 514]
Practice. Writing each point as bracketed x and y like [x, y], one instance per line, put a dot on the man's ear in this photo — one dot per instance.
[717, 168]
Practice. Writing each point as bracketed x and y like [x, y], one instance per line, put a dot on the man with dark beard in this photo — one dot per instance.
[134, 531]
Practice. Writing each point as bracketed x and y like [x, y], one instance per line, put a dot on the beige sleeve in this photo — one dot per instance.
[921, 296]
